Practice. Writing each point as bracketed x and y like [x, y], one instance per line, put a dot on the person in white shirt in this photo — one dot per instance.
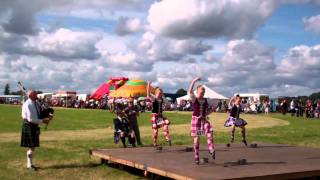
[30, 128]
[292, 107]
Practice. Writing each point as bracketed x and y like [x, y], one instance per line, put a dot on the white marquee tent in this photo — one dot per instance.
[212, 96]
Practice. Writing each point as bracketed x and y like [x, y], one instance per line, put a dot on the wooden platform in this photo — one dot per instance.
[267, 161]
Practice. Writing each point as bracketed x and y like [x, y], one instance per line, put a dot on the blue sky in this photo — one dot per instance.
[284, 29]
[235, 46]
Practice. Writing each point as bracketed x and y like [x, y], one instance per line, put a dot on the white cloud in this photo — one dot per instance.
[206, 18]
[128, 61]
[64, 44]
[248, 55]
[20, 15]
[301, 66]
[312, 23]
[157, 48]
[127, 26]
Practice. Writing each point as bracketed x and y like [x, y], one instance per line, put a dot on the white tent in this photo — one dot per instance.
[212, 96]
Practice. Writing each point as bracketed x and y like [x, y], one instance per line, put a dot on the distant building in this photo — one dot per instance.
[10, 99]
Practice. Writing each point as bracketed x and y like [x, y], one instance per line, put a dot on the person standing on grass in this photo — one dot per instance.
[199, 122]
[309, 109]
[132, 112]
[293, 107]
[267, 107]
[30, 127]
[122, 128]
[235, 121]
[157, 119]
[284, 106]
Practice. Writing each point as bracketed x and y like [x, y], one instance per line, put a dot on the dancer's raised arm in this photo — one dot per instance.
[190, 90]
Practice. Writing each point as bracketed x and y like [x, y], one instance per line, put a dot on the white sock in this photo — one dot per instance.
[29, 158]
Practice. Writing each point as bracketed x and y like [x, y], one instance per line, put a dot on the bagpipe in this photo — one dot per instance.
[45, 110]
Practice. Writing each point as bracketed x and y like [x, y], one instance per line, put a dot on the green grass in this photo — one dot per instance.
[76, 119]
[69, 159]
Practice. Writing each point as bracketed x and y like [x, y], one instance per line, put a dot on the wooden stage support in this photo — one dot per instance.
[266, 161]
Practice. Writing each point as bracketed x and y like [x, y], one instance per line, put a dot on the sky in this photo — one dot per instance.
[266, 46]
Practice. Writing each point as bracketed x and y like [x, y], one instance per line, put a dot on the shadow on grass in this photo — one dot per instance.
[71, 166]
[135, 171]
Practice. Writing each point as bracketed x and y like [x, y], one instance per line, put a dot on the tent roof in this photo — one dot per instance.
[211, 94]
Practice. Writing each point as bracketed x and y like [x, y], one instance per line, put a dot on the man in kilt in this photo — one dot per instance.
[30, 127]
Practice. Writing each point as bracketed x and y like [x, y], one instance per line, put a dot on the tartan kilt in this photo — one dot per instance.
[196, 125]
[235, 121]
[30, 135]
[154, 117]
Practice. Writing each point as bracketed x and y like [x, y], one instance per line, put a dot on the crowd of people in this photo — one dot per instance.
[294, 106]
[311, 109]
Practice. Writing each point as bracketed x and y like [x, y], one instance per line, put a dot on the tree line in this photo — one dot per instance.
[19, 92]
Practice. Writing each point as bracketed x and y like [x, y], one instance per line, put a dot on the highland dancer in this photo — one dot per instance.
[199, 123]
[157, 118]
[234, 121]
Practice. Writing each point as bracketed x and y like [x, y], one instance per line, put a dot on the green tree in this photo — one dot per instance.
[181, 92]
[17, 92]
[315, 96]
[6, 89]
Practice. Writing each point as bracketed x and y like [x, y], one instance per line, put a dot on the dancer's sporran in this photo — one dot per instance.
[199, 123]
[30, 127]
[235, 121]
[157, 118]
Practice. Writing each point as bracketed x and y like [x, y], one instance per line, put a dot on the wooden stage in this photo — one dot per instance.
[266, 161]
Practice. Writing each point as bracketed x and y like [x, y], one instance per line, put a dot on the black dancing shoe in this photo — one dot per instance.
[33, 168]
[244, 142]
[169, 142]
[158, 148]
[155, 145]
[213, 154]
[228, 145]
[232, 139]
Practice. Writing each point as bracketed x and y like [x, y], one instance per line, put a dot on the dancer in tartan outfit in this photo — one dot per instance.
[199, 123]
[30, 127]
[234, 120]
[157, 118]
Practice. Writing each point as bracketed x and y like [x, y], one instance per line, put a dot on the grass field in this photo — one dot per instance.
[64, 146]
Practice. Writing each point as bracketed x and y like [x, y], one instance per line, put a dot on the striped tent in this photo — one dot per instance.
[133, 88]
